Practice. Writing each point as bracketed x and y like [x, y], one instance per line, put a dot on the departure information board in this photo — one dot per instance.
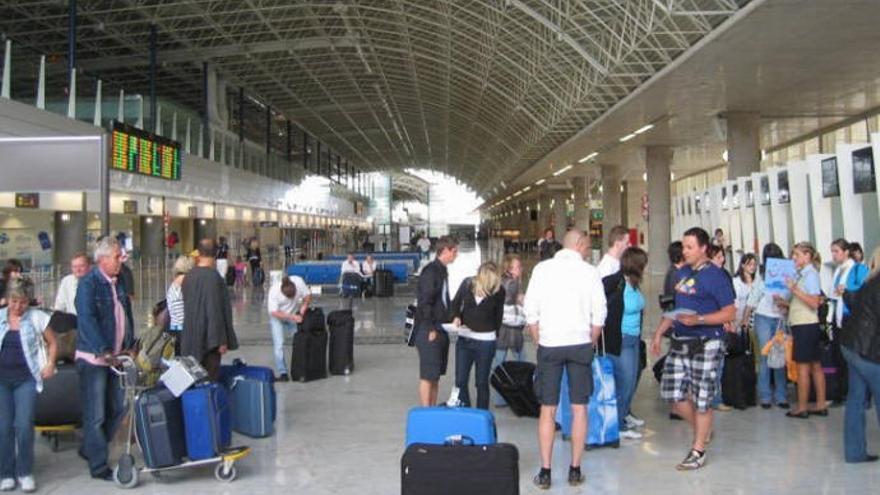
[140, 152]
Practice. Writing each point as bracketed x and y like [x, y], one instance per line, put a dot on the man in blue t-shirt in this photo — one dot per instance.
[704, 299]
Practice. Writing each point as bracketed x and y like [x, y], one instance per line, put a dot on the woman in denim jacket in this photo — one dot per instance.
[21, 379]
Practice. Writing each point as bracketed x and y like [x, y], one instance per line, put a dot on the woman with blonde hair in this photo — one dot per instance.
[510, 334]
[477, 309]
[174, 294]
[803, 316]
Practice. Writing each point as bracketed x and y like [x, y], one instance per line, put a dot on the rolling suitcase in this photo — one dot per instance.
[739, 381]
[309, 359]
[384, 280]
[251, 402]
[341, 326]
[515, 382]
[59, 403]
[228, 373]
[206, 420]
[427, 469]
[439, 425]
[159, 424]
[603, 428]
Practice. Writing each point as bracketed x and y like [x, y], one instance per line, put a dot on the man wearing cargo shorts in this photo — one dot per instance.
[565, 311]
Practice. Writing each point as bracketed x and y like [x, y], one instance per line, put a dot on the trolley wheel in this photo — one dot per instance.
[224, 474]
[125, 474]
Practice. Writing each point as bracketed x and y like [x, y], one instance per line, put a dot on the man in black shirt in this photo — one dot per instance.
[432, 311]
[548, 245]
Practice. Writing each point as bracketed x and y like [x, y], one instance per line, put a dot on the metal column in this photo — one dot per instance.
[71, 36]
[154, 105]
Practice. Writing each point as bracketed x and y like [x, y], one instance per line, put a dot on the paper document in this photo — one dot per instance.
[675, 312]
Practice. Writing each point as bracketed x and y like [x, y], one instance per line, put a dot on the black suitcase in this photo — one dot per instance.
[460, 470]
[59, 402]
[835, 370]
[384, 280]
[309, 360]
[341, 326]
[159, 423]
[514, 381]
[739, 380]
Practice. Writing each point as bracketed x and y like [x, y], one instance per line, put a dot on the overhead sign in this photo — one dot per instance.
[27, 200]
[137, 151]
[130, 207]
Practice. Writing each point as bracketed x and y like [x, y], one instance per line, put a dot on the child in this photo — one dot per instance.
[240, 269]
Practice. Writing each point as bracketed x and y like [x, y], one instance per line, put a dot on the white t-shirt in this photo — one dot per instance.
[277, 301]
[351, 267]
[424, 244]
[565, 299]
[742, 291]
[368, 268]
[608, 265]
[64, 299]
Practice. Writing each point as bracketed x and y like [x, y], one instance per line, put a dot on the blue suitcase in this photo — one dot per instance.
[603, 429]
[206, 420]
[251, 402]
[441, 425]
[262, 373]
[159, 423]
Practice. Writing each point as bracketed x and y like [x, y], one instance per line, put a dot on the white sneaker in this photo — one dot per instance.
[27, 484]
[632, 421]
[630, 434]
[7, 484]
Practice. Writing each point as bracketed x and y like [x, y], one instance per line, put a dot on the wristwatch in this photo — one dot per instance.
[702, 320]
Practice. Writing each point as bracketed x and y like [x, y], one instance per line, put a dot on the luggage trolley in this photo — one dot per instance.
[126, 472]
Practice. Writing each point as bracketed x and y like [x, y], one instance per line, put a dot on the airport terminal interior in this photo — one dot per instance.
[293, 133]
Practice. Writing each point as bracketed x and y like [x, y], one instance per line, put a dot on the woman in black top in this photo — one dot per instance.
[478, 308]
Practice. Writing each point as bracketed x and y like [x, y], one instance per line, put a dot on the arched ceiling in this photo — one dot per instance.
[478, 89]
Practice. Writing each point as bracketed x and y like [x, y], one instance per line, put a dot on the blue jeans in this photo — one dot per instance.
[765, 328]
[17, 398]
[279, 328]
[626, 374]
[103, 410]
[864, 377]
[470, 352]
[500, 357]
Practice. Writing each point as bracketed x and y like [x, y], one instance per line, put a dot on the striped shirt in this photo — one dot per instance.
[174, 299]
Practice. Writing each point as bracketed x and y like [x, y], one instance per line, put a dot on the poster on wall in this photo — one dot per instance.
[830, 184]
[863, 171]
[782, 183]
[765, 190]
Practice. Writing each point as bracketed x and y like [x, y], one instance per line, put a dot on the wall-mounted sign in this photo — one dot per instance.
[140, 152]
[193, 211]
[268, 224]
[130, 207]
[27, 200]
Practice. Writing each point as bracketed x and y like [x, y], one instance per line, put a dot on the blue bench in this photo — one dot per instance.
[329, 272]
[382, 257]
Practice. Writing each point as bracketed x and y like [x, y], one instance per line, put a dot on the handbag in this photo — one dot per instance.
[776, 356]
[513, 316]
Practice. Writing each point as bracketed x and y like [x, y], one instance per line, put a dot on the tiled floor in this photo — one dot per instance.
[344, 435]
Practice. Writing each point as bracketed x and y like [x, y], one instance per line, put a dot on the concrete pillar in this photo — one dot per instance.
[204, 228]
[743, 144]
[70, 235]
[151, 237]
[559, 214]
[581, 203]
[544, 214]
[658, 160]
[612, 200]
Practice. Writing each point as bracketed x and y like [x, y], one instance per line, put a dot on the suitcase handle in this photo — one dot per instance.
[458, 440]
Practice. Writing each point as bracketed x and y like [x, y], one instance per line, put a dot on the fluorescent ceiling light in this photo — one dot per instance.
[540, 182]
[627, 138]
[562, 171]
[589, 157]
[644, 129]
[526, 189]
[517, 193]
